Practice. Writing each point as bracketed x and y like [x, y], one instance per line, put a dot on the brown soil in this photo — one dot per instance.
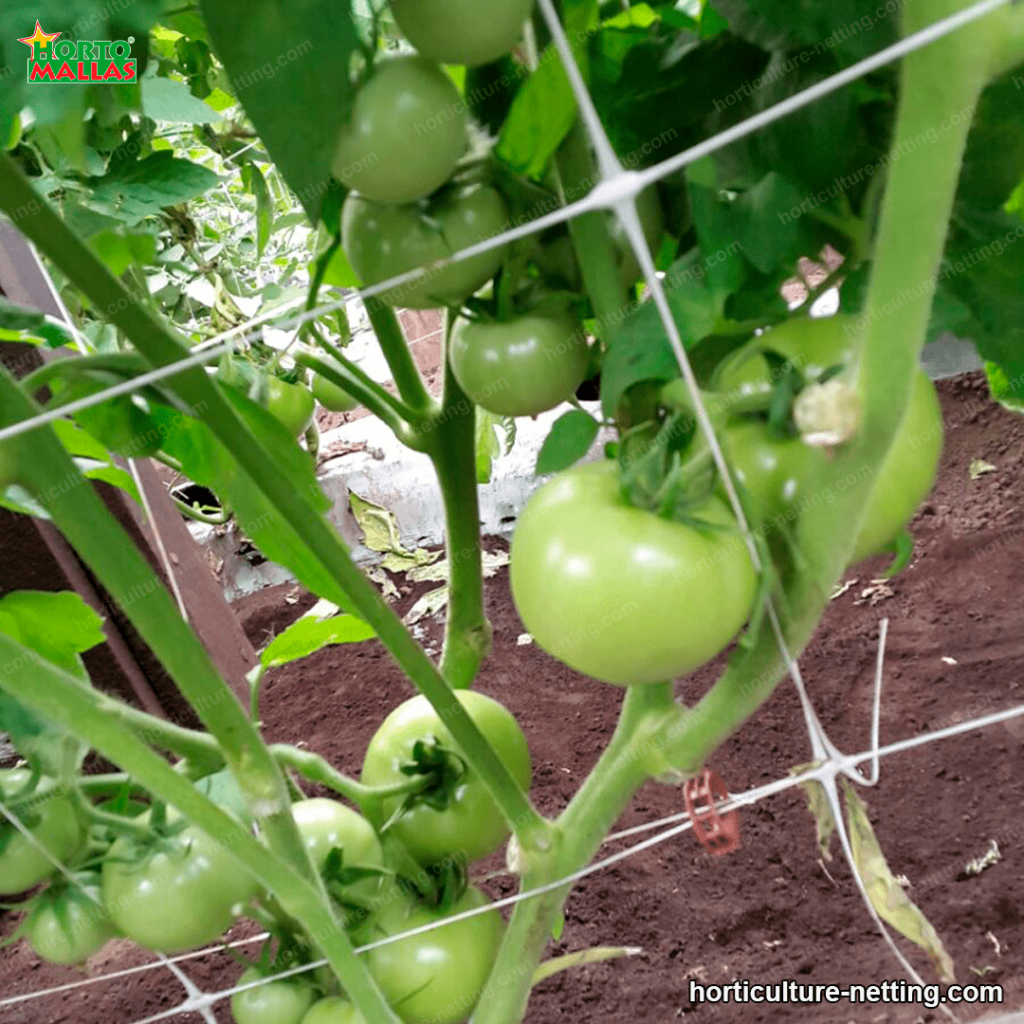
[771, 911]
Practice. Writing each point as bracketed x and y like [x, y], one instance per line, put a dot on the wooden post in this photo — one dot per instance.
[33, 555]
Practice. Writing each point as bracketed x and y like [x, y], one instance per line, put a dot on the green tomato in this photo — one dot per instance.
[436, 977]
[812, 345]
[292, 404]
[557, 258]
[67, 925]
[333, 1010]
[523, 367]
[277, 1002]
[471, 826]
[327, 825]
[54, 827]
[331, 396]
[382, 242]
[184, 893]
[592, 574]
[774, 471]
[407, 132]
[462, 31]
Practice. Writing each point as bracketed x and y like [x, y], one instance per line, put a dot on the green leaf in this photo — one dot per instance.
[223, 789]
[764, 234]
[121, 249]
[853, 29]
[994, 162]
[116, 477]
[256, 184]
[488, 447]
[984, 267]
[288, 64]
[77, 442]
[544, 109]
[639, 349]
[145, 187]
[887, 896]
[571, 437]
[307, 636]
[166, 99]
[58, 626]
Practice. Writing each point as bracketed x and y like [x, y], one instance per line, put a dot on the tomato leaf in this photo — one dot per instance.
[713, 220]
[307, 636]
[638, 348]
[570, 439]
[135, 190]
[544, 109]
[288, 64]
[59, 626]
[256, 184]
[764, 234]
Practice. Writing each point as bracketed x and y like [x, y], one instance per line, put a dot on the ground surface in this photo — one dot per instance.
[769, 912]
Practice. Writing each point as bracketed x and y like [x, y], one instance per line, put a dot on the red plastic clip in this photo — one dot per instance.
[718, 834]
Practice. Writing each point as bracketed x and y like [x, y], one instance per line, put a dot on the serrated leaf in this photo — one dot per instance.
[571, 437]
[713, 220]
[886, 894]
[144, 188]
[288, 64]
[166, 99]
[307, 636]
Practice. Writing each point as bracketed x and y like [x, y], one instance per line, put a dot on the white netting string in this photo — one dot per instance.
[617, 192]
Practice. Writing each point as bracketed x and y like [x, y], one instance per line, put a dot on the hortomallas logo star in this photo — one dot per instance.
[66, 60]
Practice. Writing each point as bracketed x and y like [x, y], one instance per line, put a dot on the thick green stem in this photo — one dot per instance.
[622, 769]
[62, 699]
[347, 375]
[106, 548]
[452, 447]
[590, 237]
[398, 355]
[151, 337]
[940, 88]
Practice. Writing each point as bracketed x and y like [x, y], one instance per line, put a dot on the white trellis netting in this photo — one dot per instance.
[616, 192]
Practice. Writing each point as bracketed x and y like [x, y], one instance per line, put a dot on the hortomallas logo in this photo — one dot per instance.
[62, 60]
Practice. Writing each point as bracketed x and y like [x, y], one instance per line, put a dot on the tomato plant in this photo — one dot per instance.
[522, 367]
[588, 568]
[462, 32]
[333, 1010]
[382, 242]
[331, 396]
[406, 134]
[55, 828]
[277, 1002]
[470, 826]
[436, 977]
[182, 893]
[67, 925]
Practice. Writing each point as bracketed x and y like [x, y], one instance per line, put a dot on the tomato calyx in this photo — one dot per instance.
[444, 769]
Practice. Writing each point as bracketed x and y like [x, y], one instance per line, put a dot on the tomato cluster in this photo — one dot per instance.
[592, 569]
[170, 887]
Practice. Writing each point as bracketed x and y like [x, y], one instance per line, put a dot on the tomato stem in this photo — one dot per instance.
[398, 355]
[452, 447]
